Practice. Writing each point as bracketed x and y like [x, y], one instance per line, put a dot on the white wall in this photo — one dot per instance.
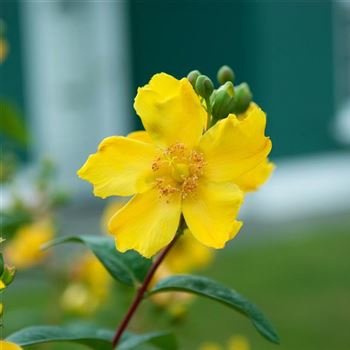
[77, 73]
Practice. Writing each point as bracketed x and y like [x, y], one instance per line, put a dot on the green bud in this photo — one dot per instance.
[192, 77]
[2, 264]
[223, 101]
[204, 86]
[225, 73]
[242, 99]
[8, 275]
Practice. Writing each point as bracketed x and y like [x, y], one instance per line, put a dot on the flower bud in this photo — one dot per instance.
[192, 77]
[223, 101]
[204, 86]
[8, 275]
[225, 73]
[243, 98]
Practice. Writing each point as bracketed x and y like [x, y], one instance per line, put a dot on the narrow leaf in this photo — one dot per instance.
[128, 268]
[88, 335]
[94, 338]
[213, 290]
[159, 340]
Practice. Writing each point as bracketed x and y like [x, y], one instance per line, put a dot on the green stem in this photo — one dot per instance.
[140, 293]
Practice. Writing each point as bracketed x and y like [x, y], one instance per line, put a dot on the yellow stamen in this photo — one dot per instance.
[178, 169]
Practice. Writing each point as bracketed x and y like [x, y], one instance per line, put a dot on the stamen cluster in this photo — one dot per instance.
[177, 170]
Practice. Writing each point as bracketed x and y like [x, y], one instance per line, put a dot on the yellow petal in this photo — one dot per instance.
[110, 209]
[4, 345]
[140, 135]
[211, 211]
[233, 147]
[120, 167]
[253, 179]
[171, 111]
[147, 223]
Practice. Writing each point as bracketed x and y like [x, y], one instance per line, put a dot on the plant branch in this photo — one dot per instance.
[141, 291]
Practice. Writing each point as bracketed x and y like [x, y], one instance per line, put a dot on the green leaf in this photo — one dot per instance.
[99, 339]
[12, 124]
[213, 290]
[129, 268]
[11, 221]
[89, 336]
[159, 340]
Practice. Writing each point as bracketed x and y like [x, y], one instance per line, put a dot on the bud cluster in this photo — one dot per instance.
[224, 100]
[7, 275]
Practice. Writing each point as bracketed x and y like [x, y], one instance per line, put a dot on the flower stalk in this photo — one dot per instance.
[141, 292]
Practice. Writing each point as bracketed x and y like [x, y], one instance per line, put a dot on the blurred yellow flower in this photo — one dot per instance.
[4, 345]
[172, 168]
[23, 250]
[186, 256]
[89, 287]
[175, 302]
[237, 342]
[4, 49]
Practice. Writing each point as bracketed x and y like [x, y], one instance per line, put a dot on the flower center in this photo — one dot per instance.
[177, 169]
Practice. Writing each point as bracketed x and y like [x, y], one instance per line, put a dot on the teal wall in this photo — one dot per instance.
[283, 49]
[11, 71]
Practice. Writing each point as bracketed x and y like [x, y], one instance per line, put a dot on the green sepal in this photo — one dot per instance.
[223, 101]
[129, 268]
[242, 99]
[213, 290]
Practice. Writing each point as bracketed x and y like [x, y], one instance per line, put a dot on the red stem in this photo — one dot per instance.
[140, 293]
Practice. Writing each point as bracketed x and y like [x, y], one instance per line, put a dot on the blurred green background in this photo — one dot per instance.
[72, 71]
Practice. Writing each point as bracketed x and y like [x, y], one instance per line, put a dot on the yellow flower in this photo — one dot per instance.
[89, 288]
[237, 342]
[176, 168]
[23, 250]
[188, 255]
[4, 49]
[4, 345]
